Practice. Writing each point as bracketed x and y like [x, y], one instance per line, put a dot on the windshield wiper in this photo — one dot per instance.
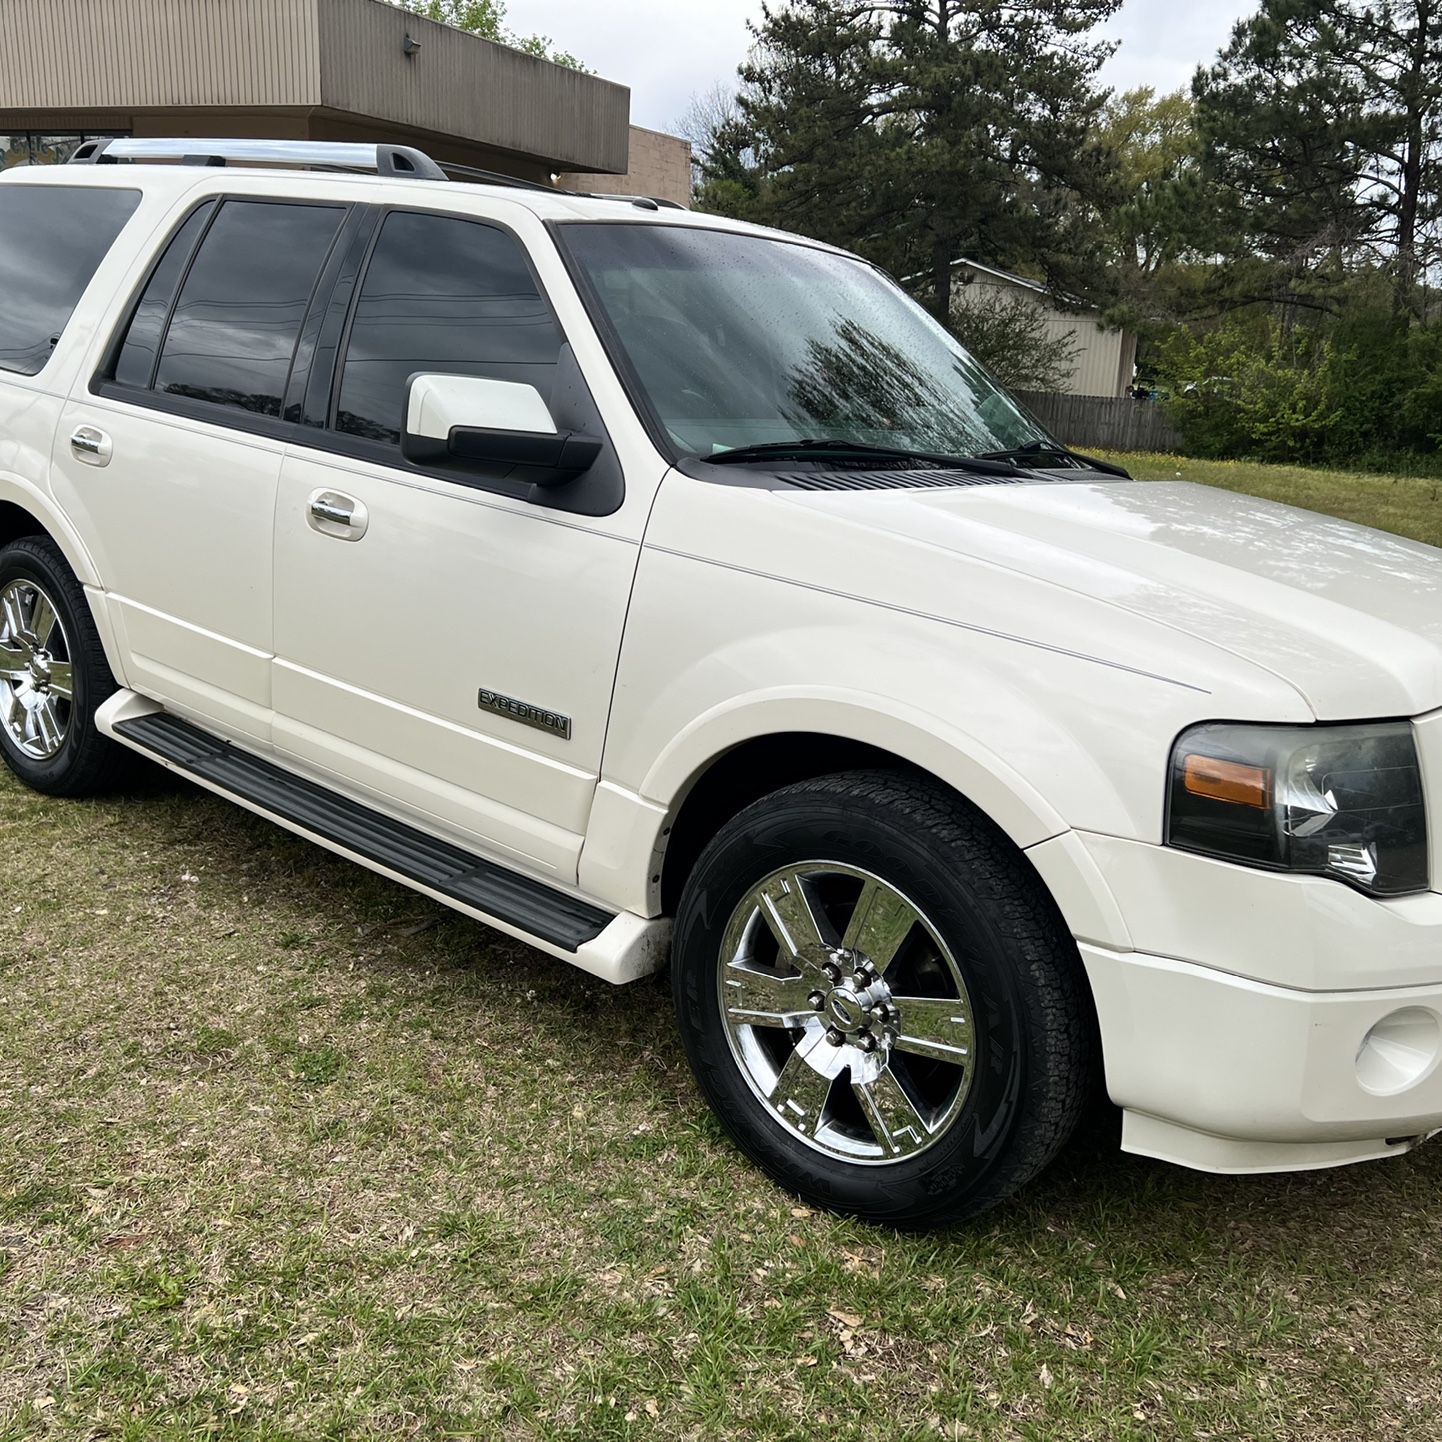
[809, 446]
[1033, 449]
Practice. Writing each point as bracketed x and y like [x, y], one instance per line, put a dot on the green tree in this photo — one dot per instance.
[1322, 126]
[1161, 228]
[918, 131]
[1267, 394]
[1277, 131]
[1396, 55]
[487, 18]
[1359, 387]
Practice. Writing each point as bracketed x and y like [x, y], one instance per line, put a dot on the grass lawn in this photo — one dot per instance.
[288, 1152]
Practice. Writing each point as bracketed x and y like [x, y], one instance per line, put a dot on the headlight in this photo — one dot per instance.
[1342, 801]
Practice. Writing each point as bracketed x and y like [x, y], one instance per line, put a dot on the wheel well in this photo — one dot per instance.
[767, 763]
[745, 774]
[16, 521]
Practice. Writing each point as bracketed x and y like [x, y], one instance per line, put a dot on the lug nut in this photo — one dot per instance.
[835, 1037]
[817, 1000]
[866, 1041]
[831, 972]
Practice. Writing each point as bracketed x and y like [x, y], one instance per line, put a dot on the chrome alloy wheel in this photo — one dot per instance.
[37, 689]
[847, 1013]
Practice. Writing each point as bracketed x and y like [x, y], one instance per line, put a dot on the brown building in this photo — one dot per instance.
[315, 69]
[658, 165]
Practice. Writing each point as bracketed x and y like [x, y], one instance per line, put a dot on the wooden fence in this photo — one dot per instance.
[1106, 422]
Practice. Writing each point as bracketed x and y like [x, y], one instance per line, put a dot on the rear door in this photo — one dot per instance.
[170, 458]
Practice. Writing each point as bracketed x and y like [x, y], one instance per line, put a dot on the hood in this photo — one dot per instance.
[1349, 616]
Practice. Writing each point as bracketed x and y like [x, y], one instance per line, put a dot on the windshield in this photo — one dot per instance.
[738, 340]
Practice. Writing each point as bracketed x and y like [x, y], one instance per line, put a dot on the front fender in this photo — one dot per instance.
[931, 743]
[1041, 741]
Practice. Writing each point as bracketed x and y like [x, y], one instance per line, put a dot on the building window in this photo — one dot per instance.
[31, 147]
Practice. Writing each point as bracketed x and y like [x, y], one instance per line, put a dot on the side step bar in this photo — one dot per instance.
[616, 947]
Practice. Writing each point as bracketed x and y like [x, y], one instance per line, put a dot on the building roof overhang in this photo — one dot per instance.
[346, 60]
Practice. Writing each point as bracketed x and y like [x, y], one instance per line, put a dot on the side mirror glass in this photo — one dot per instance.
[452, 418]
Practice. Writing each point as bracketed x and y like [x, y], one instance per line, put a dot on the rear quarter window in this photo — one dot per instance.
[52, 240]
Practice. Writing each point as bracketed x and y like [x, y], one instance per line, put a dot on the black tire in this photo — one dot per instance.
[86, 762]
[1034, 1045]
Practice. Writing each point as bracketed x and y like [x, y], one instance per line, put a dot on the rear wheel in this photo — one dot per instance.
[53, 675]
[879, 1000]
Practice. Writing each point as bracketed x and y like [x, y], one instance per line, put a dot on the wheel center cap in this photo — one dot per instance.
[845, 1008]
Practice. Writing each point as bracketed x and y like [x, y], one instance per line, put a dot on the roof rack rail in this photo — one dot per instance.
[388, 160]
[495, 177]
[647, 202]
[394, 161]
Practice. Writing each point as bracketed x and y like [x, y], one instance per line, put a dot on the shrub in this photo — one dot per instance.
[1365, 386]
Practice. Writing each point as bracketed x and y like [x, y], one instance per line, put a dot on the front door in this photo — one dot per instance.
[446, 648]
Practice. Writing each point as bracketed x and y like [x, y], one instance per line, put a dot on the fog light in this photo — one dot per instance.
[1399, 1051]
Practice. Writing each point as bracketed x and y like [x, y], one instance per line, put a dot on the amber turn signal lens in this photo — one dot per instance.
[1228, 781]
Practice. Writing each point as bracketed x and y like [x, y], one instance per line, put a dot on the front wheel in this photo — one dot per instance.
[879, 1000]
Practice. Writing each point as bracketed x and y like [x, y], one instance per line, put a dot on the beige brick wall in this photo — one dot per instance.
[658, 165]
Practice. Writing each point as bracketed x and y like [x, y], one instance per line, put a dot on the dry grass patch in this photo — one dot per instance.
[286, 1152]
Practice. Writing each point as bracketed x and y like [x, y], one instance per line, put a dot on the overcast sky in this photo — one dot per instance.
[669, 50]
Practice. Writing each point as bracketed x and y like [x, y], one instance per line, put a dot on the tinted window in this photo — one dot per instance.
[446, 295]
[52, 240]
[235, 323]
[135, 365]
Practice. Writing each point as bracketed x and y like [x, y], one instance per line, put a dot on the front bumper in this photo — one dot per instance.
[1252, 1020]
[1227, 1074]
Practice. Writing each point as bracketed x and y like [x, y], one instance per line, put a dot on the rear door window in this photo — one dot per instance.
[52, 240]
[234, 326]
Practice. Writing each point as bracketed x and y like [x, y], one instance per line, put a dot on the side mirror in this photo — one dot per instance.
[452, 418]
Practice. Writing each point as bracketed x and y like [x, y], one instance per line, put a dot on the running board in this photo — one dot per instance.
[618, 947]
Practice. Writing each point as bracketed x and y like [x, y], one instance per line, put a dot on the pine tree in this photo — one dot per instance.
[1322, 125]
[921, 131]
[1397, 56]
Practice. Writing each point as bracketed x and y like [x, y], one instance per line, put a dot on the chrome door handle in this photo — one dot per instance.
[327, 510]
[92, 446]
[332, 514]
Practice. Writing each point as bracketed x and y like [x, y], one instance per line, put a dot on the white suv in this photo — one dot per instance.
[644, 584]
